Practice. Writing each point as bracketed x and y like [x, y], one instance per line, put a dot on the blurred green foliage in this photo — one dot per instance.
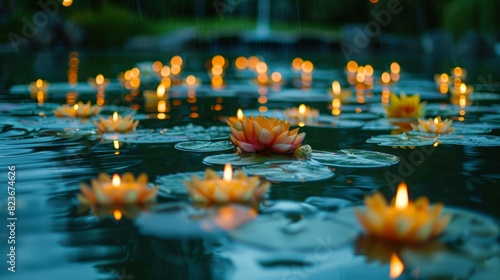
[111, 22]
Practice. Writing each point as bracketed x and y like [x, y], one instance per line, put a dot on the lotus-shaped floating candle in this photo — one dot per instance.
[436, 126]
[405, 221]
[78, 110]
[117, 191]
[214, 190]
[405, 107]
[301, 114]
[260, 134]
[116, 124]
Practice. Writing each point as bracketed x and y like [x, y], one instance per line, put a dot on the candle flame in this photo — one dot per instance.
[336, 89]
[116, 144]
[462, 101]
[239, 114]
[395, 68]
[352, 66]
[436, 120]
[261, 67]
[115, 116]
[117, 214]
[39, 83]
[302, 109]
[444, 78]
[99, 79]
[75, 107]
[386, 78]
[396, 266]
[191, 80]
[116, 181]
[457, 71]
[160, 90]
[228, 172]
[463, 88]
[402, 196]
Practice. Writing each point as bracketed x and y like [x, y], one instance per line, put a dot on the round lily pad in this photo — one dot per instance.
[491, 118]
[401, 140]
[204, 146]
[364, 116]
[353, 158]
[145, 136]
[56, 123]
[242, 159]
[173, 184]
[471, 140]
[279, 233]
[213, 133]
[290, 171]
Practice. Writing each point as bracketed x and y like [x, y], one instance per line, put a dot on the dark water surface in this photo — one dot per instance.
[55, 239]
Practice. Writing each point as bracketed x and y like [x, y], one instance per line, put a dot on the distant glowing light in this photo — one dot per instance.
[386, 78]
[395, 68]
[241, 63]
[307, 66]
[276, 77]
[190, 80]
[176, 60]
[297, 63]
[67, 3]
[352, 66]
[218, 60]
[157, 66]
[336, 89]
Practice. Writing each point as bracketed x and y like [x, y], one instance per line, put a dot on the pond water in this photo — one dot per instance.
[305, 227]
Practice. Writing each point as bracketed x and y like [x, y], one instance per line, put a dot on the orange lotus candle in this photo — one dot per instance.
[117, 191]
[404, 221]
[405, 106]
[436, 125]
[116, 124]
[301, 114]
[78, 110]
[260, 134]
[230, 188]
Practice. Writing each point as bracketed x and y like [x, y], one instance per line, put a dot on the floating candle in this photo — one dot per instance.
[39, 86]
[405, 106]
[117, 191]
[301, 114]
[229, 188]
[405, 221]
[259, 134]
[436, 126]
[78, 110]
[99, 81]
[116, 124]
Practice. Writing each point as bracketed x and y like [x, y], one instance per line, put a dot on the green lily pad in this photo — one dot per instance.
[279, 233]
[145, 136]
[401, 140]
[56, 123]
[242, 159]
[353, 158]
[173, 184]
[204, 146]
[290, 171]
[471, 140]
